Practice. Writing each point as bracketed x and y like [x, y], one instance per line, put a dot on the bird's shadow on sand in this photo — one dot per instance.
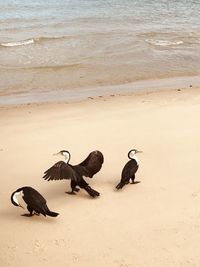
[113, 184]
[15, 216]
[60, 192]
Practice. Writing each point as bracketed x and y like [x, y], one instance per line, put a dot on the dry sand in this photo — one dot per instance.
[154, 223]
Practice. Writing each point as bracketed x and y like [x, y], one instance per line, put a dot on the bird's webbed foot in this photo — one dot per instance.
[27, 215]
[71, 193]
[135, 182]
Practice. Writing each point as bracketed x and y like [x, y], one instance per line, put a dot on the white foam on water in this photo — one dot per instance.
[24, 42]
[163, 42]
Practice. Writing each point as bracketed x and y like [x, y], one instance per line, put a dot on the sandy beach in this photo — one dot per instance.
[154, 223]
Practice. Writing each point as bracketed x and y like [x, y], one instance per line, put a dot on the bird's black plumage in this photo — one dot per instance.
[34, 200]
[89, 167]
[92, 164]
[129, 171]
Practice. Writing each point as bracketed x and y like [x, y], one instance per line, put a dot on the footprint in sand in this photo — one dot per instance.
[10, 255]
[38, 246]
[195, 194]
[75, 257]
[60, 242]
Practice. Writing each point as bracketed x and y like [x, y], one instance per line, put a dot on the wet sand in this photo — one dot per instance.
[10, 97]
[153, 223]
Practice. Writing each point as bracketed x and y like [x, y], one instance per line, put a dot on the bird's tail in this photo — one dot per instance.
[91, 192]
[120, 185]
[52, 214]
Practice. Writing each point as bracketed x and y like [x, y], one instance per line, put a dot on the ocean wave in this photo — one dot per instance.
[19, 43]
[52, 38]
[33, 40]
[163, 42]
[43, 67]
[54, 67]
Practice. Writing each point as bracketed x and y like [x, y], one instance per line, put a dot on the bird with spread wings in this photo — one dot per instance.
[88, 168]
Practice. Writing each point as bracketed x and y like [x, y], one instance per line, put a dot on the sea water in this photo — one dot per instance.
[72, 46]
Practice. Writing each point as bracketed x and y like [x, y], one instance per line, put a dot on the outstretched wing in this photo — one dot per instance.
[60, 171]
[92, 164]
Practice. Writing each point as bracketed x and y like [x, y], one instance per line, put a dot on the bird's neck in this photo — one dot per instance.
[135, 158]
[66, 158]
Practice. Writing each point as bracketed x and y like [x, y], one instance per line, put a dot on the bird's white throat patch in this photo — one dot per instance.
[18, 198]
[132, 155]
[67, 156]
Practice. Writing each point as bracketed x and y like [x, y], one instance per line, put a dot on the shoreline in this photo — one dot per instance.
[82, 94]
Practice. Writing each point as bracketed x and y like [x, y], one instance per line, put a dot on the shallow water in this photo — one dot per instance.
[69, 45]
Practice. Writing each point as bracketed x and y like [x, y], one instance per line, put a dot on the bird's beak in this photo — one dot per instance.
[139, 151]
[55, 154]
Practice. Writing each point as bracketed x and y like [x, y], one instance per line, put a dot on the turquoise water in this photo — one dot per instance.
[53, 45]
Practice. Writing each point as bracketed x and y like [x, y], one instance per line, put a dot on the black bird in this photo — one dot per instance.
[30, 199]
[88, 168]
[129, 169]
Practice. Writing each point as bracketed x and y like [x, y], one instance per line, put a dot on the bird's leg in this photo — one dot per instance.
[133, 178]
[28, 214]
[73, 187]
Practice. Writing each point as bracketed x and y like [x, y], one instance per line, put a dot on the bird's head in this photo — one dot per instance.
[65, 154]
[132, 152]
[14, 199]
